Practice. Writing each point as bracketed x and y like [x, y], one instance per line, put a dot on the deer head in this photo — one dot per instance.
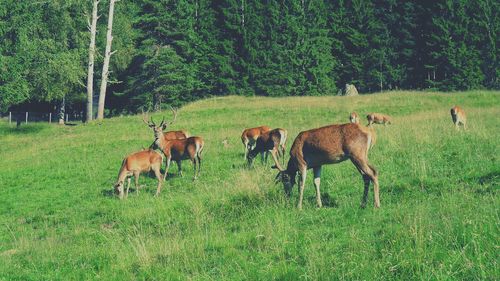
[158, 129]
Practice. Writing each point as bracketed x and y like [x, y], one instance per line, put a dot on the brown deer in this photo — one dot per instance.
[273, 142]
[378, 118]
[170, 135]
[458, 117]
[250, 135]
[329, 145]
[178, 149]
[134, 164]
[354, 117]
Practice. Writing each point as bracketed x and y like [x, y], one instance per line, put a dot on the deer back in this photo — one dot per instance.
[171, 135]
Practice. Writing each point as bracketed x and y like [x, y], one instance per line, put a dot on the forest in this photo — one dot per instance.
[168, 52]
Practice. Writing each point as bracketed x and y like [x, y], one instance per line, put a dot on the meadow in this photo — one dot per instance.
[439, 215]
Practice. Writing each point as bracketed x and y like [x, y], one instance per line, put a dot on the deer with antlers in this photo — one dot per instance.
[273, 142]
[135, 164]
[249, 137]
[329, 145]
[177, 149]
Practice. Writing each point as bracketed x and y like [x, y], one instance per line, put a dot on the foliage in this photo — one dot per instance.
[176, 51]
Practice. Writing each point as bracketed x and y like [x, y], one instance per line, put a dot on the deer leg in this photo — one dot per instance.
[195, 160]
[179, 167]
[246, 150]
[199, 163]
[317, 181]
[283, 154]
[366, 180]
[167, 165]
[303, 174]
[262, 157]
[128, 187]
[136, 182]
[369, 174]
[159, 178]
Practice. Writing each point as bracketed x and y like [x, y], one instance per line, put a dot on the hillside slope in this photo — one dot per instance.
[439, 196]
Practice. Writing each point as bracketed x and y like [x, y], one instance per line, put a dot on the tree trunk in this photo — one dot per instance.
[61, 111]
[157, 102]
[105, 67]
[90, 75]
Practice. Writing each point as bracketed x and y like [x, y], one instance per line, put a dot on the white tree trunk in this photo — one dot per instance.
[105, 67]
[90, 71]
[61, 111]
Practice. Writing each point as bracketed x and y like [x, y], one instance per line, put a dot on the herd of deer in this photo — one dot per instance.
[311, 150]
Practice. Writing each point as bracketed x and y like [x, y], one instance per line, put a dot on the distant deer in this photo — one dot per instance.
[134, 164]
[354, 117]
[178, 149]
[273, 141]
[329, 145]
[378, 118]
[458, 117]
[249, 137]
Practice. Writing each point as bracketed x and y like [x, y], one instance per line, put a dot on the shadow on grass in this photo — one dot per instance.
[26, 129]
[326, 200]
[493, 177]
[108, 193]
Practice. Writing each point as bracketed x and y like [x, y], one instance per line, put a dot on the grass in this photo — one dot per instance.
[439, 218]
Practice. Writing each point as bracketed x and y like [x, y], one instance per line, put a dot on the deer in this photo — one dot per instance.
[273, 141]
[135, 164]
[249, 137]
[378, 118]
[354, 117]
[329, 145]
[458, 117]
[177, 149]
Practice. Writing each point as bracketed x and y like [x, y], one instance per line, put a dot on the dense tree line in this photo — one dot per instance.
[175, 51]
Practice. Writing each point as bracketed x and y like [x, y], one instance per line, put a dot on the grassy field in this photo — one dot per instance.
[439, 218]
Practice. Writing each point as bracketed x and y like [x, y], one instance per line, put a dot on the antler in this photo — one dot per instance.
[174, 112]
[149, 123]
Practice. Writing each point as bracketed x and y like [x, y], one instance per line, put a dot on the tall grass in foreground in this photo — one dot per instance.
[439, 192]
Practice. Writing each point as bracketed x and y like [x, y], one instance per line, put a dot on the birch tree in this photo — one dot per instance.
[105, 67]
[92, 25]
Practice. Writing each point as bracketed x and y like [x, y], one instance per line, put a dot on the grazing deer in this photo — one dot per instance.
[249, 137]
[170, 135]
[134, 164]
[273, 141]
[378, 118]
[458, 117]
[354, 117]
[178, 149]
[329, 145]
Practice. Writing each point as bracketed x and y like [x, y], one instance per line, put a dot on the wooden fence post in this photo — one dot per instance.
[10, 117]
[67, 116]
[26, 117]
[50, 117]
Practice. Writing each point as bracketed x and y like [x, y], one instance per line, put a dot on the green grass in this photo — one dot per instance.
[439, 218]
